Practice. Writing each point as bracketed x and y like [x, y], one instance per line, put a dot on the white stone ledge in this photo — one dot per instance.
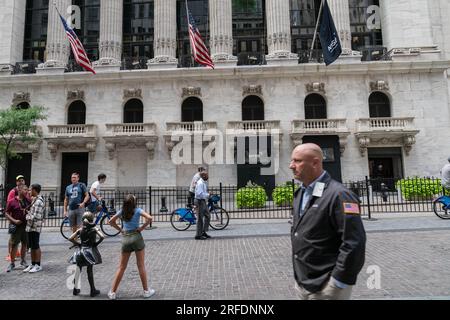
[241, 72]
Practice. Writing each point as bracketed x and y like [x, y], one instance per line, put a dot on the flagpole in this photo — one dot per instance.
[190, 43]
[315, 31]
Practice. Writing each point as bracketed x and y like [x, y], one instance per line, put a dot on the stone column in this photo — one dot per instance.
[58, 46]
[12, 31]
[221, 30]
[110, 44]
[279, 33]
[407, 29]
[165, 39]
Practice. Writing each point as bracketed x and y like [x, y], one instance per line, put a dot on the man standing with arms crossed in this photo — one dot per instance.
[328, 237]
[201, 201]
[75, 199]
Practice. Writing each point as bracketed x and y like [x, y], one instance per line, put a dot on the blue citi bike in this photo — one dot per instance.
[441, 207]
[102, 218]
[182, 218]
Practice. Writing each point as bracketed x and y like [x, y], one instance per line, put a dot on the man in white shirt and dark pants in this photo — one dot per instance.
[201, 201]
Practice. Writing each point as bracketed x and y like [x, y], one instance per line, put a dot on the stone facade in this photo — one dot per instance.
[416, 83]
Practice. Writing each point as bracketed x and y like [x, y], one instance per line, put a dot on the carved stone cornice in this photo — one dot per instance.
[192, 92]
[315, 87]
[75, 95]
[379, 85]
[252, 89]
[21, 96]
[132, 93]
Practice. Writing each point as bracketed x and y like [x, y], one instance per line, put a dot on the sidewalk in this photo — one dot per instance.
[263, 227]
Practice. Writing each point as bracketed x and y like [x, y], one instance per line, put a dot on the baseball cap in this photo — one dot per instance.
[20, 177]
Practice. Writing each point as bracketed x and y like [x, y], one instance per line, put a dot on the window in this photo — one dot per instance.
[76, 113]
[200, 12]
[315, 107]
[192, 110]
[138, 30]
[365, 24]
[249, 31]
[23, 106]
[133, 112]
[252, 109]
[36, 21]
[379, 105]
[303, 23]
[89, 33]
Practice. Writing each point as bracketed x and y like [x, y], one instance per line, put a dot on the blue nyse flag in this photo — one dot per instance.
[329, 38]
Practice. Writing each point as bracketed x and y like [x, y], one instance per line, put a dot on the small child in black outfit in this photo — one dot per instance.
[88, 254]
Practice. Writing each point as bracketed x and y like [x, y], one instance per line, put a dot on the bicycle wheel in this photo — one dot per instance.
[65, 229]
[440, 210]
[107, 228]
[178, 222]
[219, 218]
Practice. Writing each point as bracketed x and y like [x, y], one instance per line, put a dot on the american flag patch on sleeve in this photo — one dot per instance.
[351, 208]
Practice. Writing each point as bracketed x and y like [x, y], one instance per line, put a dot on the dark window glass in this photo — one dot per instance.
[36, 21]
[249, 31]
[89, 33]
[76, 113]
[133, 111]
[192, 110]
[252, 109]
[364, 37]
[304, 15]
[315, 107]
[379, 105]
[200, 12]
[138, 29]
[23, 106]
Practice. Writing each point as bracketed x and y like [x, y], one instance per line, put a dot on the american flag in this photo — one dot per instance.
[77, 47]
[199, 50]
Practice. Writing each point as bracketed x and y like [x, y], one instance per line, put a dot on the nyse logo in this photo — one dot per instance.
[374, 280]
[74, 18]
[374, 18]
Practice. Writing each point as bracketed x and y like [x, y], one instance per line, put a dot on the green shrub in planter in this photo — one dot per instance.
[283, 195]
[419, 188]
[251, 196]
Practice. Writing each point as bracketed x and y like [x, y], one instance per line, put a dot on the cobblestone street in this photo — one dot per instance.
[414, 265]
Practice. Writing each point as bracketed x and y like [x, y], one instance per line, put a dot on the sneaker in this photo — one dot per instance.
[10, 267]
[112, 295]
[27, 269]
[24, 264]
[149, 293]
[207, 236]
[35, 269]
[76, 291]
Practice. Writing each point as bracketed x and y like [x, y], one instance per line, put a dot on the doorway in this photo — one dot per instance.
[73, 162]
[332, 154]
[20, 166]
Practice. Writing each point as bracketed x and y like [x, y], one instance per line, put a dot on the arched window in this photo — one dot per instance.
[379, 105]
[133, 112]
[192, 110]
[76, 113]
[315, 107]
[23, 106]
[252, 109]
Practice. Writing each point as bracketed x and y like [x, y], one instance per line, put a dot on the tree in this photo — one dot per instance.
[17, 126]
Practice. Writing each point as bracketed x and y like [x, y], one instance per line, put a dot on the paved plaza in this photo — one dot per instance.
[248, 260]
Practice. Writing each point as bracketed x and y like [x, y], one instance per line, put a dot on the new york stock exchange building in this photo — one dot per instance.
[151, 114]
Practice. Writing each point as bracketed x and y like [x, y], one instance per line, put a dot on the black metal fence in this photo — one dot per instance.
[376, 195]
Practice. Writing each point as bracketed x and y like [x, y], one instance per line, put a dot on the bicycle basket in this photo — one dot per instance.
[215, 198]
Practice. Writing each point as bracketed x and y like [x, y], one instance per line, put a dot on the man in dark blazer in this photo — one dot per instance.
[328, 236]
